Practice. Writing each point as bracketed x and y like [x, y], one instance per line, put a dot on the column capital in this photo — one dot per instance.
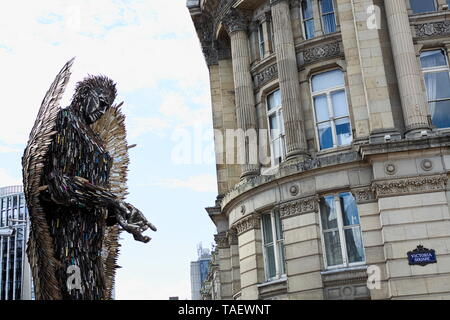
[232, 237]
[235, 20]
[221, 240]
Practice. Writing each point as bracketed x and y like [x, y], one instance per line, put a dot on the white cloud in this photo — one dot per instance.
[200, 183]
[126, 40]
[7, 180]
[6, 149]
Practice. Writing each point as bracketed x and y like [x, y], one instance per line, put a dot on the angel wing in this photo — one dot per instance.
[111, 129]
[40, 248]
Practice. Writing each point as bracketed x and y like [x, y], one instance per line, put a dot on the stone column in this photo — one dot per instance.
[236, 24]
[224, 266]
[234, 256]
[288, 79]
[408, 74]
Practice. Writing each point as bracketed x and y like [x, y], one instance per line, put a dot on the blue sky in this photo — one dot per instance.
[151, 50]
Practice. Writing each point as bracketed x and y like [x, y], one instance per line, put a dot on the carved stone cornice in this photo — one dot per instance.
[205, 32]
[403, 186]
[232, 237]
[433, 29]
[364, 195]
[248, 223]
[298, 207]
[265, 75]
[235, 20]
[221, 240]
[323, 51]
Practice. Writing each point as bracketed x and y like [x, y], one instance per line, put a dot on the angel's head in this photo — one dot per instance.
[93, 96]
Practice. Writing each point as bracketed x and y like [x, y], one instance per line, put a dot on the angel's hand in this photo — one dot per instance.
[133, 221]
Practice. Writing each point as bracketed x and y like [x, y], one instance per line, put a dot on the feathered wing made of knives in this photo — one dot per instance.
[74, 175]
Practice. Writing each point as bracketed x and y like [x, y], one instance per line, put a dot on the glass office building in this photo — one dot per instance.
[15, 274]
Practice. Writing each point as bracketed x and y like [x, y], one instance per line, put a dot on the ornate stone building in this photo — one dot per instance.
[355, 96]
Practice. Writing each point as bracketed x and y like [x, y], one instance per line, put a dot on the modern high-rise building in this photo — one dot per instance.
[337, 186]
[15, 273]
[199, 272]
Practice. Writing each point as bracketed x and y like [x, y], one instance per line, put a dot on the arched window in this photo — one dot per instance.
[331, 109]
[437, 81]
[422, 6]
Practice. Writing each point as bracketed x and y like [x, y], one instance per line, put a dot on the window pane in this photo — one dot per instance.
[327, 80]
[440, 114]
[343, 132]
[274, 125]
[333, 248]
[325, 135]
[267, 229]
[329, 23]
[307, 9]
[419, 6]
[328, 213]
[309, 29]
[277, 147]
[438, 85]
[434, 58]
[270, 261]
[278, 226]
[281, 255]
[355, 249]
[349, 209]
[321, 107]
[273, 100]
[339, 100]
[327, 6]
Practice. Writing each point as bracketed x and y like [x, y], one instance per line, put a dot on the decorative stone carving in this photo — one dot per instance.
[243, 209]
[433, 29]
[426, 165]
[221, 240]
[248, 223]
[390, 168]
[410, 185]
[297, 207]
[320, 52]
[293, 190]
[266, 75]
[232, 237]
[235, 20]
[364, 195]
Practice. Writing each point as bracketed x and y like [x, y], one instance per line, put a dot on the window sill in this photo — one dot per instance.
[272, 282]
[344, 269]
[272, 288]
[334, 150]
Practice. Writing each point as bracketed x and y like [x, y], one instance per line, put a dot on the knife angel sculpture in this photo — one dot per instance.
[74, 175]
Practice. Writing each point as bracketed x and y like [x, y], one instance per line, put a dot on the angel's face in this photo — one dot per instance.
[97, 101]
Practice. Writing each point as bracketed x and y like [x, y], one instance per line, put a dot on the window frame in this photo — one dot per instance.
[280, 266]
[341, 230]
[325, 14]
[436, 6]
[278, 111]
[434, 70]
[261, 41]
[303, 20]
[332, 119]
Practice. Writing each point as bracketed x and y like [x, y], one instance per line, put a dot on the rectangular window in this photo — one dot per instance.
[328, 18]
[422, 6]
[261, 42]
[308, 18]
[341, 231]
[273, 246]
[436, 74]
[331, 109]
[276, 127]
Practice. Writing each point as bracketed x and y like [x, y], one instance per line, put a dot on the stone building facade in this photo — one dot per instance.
[355, 97]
